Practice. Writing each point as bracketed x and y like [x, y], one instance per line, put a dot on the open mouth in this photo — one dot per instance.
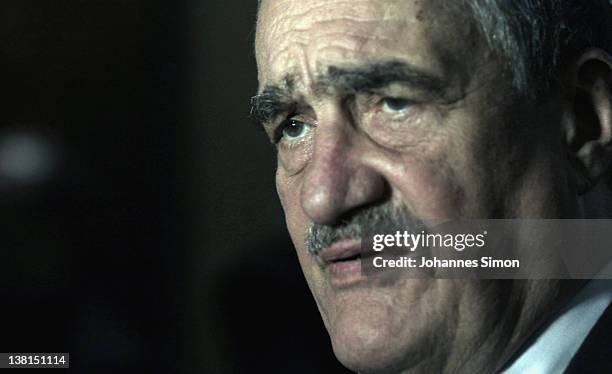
[343, 251]
[342, 261]
[347, 259]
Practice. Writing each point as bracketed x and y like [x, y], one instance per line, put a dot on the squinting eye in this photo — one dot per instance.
[393, 105]
[293, 129]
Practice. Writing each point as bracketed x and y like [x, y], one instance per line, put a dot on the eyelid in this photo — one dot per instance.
[376, 97]
[276, 127]
[289, 144]
[385, 101]
[277, 131]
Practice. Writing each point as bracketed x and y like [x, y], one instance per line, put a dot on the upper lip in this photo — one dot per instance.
[341, 250]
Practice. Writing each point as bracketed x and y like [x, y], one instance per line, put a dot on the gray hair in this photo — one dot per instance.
[535, 37]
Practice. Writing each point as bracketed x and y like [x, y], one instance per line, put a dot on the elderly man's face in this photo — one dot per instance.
[399, 103]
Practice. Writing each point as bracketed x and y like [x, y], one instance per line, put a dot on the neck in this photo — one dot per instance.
[530, 304]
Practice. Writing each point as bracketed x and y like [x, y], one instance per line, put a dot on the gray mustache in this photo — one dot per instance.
[379, 219]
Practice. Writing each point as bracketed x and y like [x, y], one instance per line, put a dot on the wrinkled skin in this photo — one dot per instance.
[472, 150]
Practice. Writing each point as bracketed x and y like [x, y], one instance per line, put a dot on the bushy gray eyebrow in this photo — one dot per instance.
[268, 104]
[379, 75]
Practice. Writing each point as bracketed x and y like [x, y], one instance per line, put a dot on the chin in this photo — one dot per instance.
[367, 337]
[368, 360]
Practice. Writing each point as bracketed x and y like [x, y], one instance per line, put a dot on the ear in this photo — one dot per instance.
[587, 119]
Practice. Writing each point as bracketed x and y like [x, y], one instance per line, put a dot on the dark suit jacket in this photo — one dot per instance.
[595, 354]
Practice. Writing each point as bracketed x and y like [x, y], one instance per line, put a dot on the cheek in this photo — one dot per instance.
[292, 159]
[420, 168]
[428, 187]
[288, 189]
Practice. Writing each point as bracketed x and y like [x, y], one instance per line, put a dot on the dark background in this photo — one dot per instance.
[139, 226]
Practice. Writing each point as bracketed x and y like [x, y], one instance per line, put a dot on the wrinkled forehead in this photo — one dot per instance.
[303, 38]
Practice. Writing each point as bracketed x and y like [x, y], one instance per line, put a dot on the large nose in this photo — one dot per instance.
[338, 179]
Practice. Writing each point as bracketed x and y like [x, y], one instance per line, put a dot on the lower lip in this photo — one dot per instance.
[345, 273]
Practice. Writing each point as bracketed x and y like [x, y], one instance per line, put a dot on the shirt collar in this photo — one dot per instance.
[554, 348]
